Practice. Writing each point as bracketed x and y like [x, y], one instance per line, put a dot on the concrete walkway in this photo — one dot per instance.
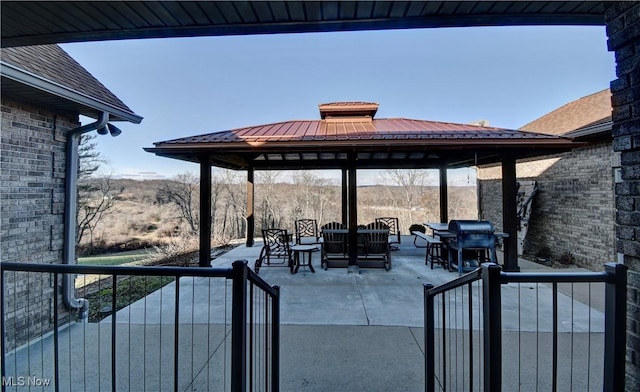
[340, 331]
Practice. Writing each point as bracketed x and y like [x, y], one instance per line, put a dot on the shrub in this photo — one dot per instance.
[179, 251]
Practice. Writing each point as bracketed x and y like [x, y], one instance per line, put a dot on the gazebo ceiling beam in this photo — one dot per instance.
[428, 158]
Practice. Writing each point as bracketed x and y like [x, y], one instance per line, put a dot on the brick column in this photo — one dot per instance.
[623, 30]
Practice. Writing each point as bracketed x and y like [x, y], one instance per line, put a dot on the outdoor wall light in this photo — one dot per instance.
[113, 130]
[109, 128]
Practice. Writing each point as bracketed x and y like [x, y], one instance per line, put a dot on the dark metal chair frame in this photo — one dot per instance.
[307, 232]
[276, 246]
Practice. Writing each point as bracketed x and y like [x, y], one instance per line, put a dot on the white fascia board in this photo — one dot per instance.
[40, 83]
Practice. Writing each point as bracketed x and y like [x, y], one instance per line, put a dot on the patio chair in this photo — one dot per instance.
[307, 232]
[376, 243]
[276, 246]
[394, 230]
[334, 244]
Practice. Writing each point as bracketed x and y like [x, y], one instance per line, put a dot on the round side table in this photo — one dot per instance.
[305, 250]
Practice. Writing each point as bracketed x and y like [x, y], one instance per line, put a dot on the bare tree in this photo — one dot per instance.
[89, 157]
[313, 195]
[234, 193]
[270, 208]
[95, 197]
[406, 190]
[183, 192]
[216, 191]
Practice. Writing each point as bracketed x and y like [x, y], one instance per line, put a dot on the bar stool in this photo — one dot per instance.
[434, 252]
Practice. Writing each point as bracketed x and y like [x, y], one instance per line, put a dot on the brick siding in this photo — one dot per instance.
[623, 30]
[573, 211]
[32, 164]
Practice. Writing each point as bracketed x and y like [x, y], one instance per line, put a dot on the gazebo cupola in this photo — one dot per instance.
[345, 111]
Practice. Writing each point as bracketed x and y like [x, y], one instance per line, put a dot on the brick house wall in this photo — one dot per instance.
[32, 172]
[623, 30]
[571, 213]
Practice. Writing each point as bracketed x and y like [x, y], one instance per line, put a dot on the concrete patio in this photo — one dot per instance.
[340, 331]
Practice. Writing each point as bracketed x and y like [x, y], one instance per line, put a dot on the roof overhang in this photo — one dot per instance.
[74, 21]
[367, 155]
[26, 86]
[599, 131]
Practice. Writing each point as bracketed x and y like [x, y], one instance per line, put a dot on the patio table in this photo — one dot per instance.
[304, 249]
[436, 226]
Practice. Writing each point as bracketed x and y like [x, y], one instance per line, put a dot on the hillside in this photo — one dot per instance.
[143, 216]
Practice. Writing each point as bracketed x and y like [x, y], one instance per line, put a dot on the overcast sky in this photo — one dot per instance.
[190, 86]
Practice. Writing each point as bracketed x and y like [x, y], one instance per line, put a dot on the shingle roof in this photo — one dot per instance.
[53, 64]
[576, 114]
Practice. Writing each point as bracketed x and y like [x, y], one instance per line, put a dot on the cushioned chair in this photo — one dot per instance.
[276, 246]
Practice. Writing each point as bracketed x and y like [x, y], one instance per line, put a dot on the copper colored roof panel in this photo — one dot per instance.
[345, 109]
[376, 143]
[378, 129]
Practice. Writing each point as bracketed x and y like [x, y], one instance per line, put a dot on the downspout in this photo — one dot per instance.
[70, 210]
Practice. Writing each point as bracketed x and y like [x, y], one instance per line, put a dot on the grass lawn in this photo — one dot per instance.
[114, 259]
[129, 290]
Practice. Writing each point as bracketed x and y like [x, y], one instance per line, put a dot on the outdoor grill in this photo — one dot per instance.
[473, 235]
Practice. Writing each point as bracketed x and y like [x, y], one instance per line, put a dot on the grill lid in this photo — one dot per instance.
[471, 227]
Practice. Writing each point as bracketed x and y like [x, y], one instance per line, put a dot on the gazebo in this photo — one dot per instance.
[348, 137]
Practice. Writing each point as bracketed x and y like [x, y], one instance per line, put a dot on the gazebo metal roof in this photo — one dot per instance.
[348, 137]
[377, 143]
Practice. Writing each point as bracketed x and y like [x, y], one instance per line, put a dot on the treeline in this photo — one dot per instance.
[153, 212]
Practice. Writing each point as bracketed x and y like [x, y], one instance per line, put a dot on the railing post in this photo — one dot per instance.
[429, 340]
[239, 327]
[615, 323]
[275, 342]
[492, 319]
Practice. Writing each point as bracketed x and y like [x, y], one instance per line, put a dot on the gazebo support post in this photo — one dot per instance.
[353, 213]
[510, 214]
[444, 197]
[251, 220]
[205, 212]
[345, 198]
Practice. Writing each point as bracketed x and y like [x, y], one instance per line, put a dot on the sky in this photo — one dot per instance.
[508, 76]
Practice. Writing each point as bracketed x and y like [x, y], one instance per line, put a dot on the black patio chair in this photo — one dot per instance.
[394, 230]
[277, 245]
[334, 243]
[376, 243]
[307, 232]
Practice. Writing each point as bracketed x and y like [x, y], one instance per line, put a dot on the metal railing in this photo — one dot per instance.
[183, 329]
[491, 330]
